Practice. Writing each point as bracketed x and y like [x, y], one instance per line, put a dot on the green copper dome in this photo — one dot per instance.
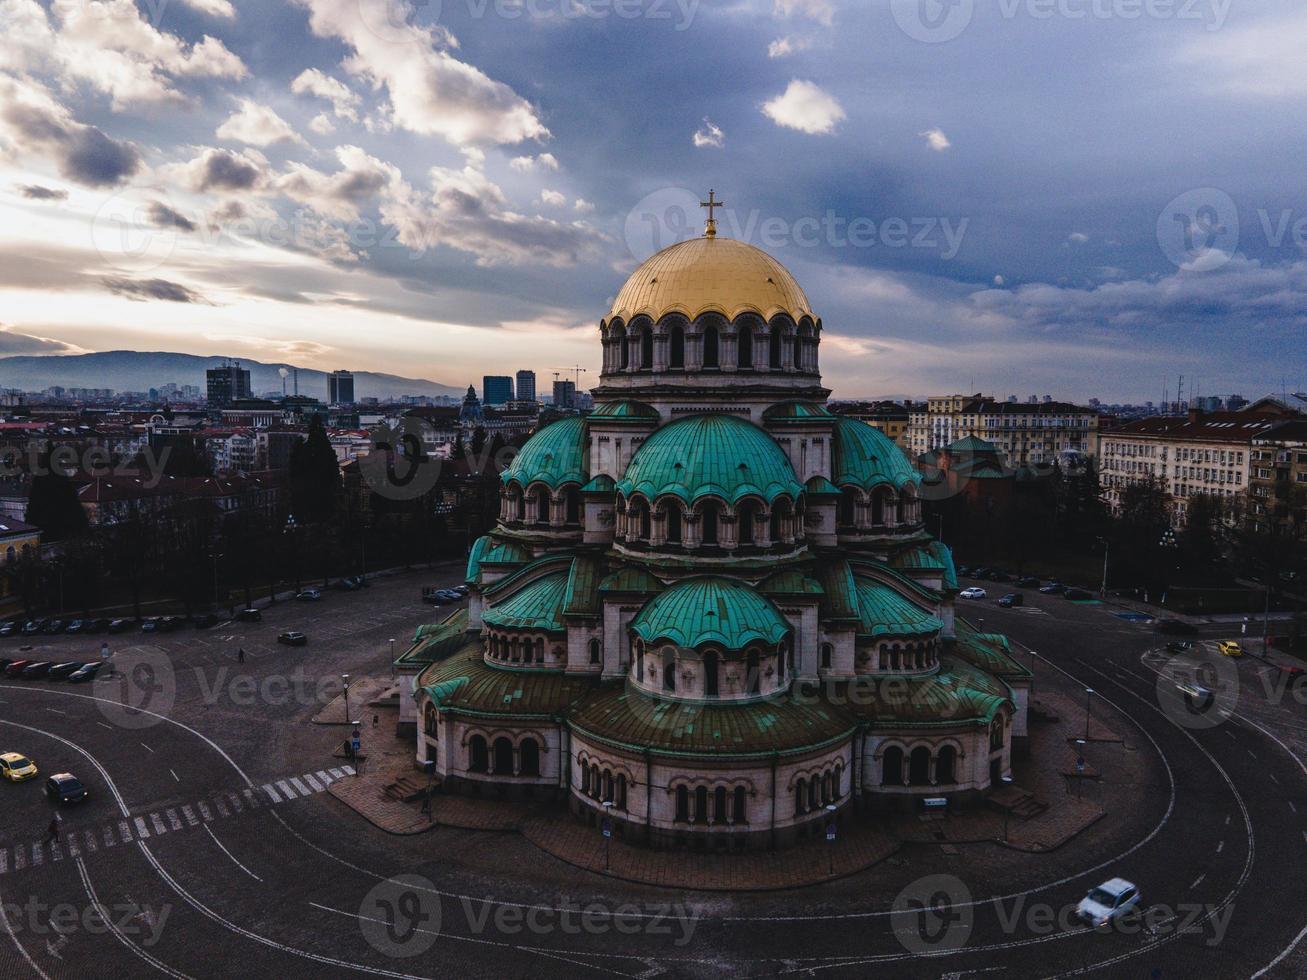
[710, 455]
[553, 456]
[625, 410]
[866, 457]
[883, 612]
[797, 411]
[538, 606]
[710, 610]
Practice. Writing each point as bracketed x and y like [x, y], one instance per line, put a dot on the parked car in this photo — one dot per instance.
[1175, 627]
[33, 626]
[1077, 595]
[4, 663]
[150, 624]
[309, 595]
[437, 596]
[86, 674]
[964, 570]
[1028, 582]
[64, 787]
[169, 623]
[462, 591]
[17, 768]
[1053, 588]
[292, 638]
[349, 583]
[1231, 648]
[10, 627]
[54, 627]
[61, 672]
[1012, 599]
[981, 572]
[1181, 646]
[249, 615]
[972, 593]
[203, 621]
[119, 625]
[36, 671]
[1109, 901]
[76, 626]
[997, 576]
[16, 667]
[97, 625]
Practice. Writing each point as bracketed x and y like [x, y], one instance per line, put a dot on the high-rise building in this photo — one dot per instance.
[227, 384]
[340, 388]
[526, 386]
[564, 394]
[496, 389]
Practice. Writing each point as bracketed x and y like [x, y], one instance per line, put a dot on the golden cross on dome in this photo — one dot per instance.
[710, 231]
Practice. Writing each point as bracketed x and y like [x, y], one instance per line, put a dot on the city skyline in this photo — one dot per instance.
[167, 181]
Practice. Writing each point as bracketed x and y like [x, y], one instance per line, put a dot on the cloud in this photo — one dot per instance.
[936, 139]
[344, 102]
[224, 170]
[1262, 58]
[21, 343]
[214, 8]
[361, 180]
[709, 135]
[35, 192]
[583, 206]
[33, 122]
[257, 125]
[1077, 238]
[822, 11]
[805, 107]
[785, 46]
[526, 164]
[162, 216]
[146, 289]
[322, 124]
[552, 198]
[431, 92]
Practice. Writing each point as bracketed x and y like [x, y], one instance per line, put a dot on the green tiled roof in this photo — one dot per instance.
[603, 483]
[797, 412]
[820, 485]
[468, 685]
[710, 455]
[633, 720]
[836, 579]
[929, 556]
[791, 582]
[553, 456]
[944, 555]
[710, 610]
[489, 550]
[988, 651]
[959, 694]
[866, 457]
[582, 595]
[884, 612]
[625, 410]
[972, 444]
[631, 578]
[538, 606]
[436, 641]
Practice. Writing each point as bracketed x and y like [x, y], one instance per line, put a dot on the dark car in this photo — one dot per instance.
[16, 667]
[202, 621]
[997, 576]
[1175, 627]
[964, 570]
[249, 615]
[119, 625]
[981, 572]
[292, 638]
[97, 625]
[34, 672]
[150, 624]
[1053, 588]
[1028, 582]
[87, 673]
[168, 624]
[1181, 646]
[64, 787]
[61, 672]
[309, 595]
[349, 583]
[10, 627]
[33, 626]
[1012, 599]
[76, 626]
[1077, 595]
[54, 626]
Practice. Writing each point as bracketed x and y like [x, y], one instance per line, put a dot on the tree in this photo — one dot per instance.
[53, 505]
[314, 476]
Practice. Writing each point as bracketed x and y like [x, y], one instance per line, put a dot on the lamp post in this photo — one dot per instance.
[1089, 694]
[392, 656]
[1107, 549]
[1007, 810]
[345, 680]
[607, 830]
[291, 531]
[1080, 765]
[830, 837]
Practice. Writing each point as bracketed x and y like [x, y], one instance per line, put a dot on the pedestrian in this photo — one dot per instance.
[104, 657]
[240, 655]
[375, 720]
[53, 830]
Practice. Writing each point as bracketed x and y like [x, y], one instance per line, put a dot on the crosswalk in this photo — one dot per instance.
[79, 841]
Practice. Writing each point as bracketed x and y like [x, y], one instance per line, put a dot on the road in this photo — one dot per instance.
[183, 864]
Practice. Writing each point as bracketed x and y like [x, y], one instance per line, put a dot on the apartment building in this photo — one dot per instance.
[1277, 491]
[1026, 433]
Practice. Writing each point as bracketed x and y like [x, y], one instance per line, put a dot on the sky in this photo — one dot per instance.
[1070, 197]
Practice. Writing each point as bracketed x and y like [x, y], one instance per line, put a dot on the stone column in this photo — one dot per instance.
[762, 529]
[690, 530]
[661, 352]
[693, 351]
[726, 346]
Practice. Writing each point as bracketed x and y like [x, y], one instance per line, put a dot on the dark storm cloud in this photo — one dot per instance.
[162, 216]
[21, 343]
[35, 192]
[83, 153]
[221, 170]
[145, 289]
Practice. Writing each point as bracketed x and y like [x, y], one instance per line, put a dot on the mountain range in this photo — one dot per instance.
[129, 370]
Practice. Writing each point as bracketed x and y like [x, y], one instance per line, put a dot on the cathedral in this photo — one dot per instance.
[710, 612]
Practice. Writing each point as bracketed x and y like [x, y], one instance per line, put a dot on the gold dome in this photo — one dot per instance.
[710, 274]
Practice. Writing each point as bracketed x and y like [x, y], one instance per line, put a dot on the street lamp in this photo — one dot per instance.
[1007, 810]
[1080, 765]
[1107, 548]
[607, 829]
[830, 836]
[290, 530]
[1089, 694]
[392, 656]
[345, 680]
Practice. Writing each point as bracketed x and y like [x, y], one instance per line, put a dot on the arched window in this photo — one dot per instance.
[848, 507]
[646, 349]
[946, 765]
[800, 796]
[719, 805]
[646, 527]
[625, 361]
[478, 756]
[542, 506]
[779, 512]
[798, 354]
[837, 781]
[711, 344]
[891, 767]
[669, 670]
[827, 793]
[710, 673]
[619, 795]
[747, 522]
[754, 680]
[606, 795]
[9, 553]
[709, 536]
[701, 804]
[530, 757]
[585, 779]
[919, 766]
[744, 348]
[573, 499]
[741, 814]
[595, 651]
[503, 757]
[676, 354]
[774, 354]
[813, 790]
[827, 654]
[639, 660]
[877, 509]
[540, 651]
[682, 804]
[596, 787]
[429, 721]
[673, 512]
[996, 733]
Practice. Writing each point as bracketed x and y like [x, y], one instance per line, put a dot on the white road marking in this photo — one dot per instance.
[175, 776]
[174, 820]
[1199, 880]
[1220, 847]
[157, 821]
[189, 814]
[267, 788]
[286, 791]
[205, 813]
[141, 830]
[232, 856]
[304, 790]
[147, 748]
[317, 786]
[1292, 807]
[103, 725]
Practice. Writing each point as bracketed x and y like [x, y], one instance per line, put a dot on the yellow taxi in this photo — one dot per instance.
[17, 768]
[1231, 648]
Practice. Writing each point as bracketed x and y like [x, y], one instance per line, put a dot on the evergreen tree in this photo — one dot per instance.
[53, 505]
[314, 476]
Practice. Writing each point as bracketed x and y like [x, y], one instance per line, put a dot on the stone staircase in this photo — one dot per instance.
[406, 789]
[1017, 802]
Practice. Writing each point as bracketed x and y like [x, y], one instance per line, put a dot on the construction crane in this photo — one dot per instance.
[575, 368]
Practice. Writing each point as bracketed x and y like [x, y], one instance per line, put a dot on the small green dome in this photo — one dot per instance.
[797, 411]
[710, 455]
[884, 612]
[625, 410]
[866, 457]
[553, 456]
[710, 610]
[538, 606]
